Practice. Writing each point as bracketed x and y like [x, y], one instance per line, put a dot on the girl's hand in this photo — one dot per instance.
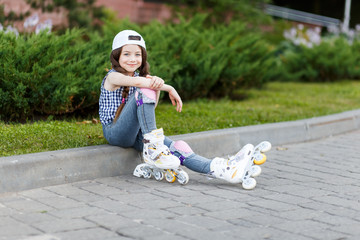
[155, 82]
[175, 99]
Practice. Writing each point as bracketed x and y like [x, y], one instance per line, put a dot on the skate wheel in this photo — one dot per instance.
[255, 171]
[259, 159]
[249, 184]
[170, 176]
[159, 175]
[183, 177]
[263, 146]
[146, 174]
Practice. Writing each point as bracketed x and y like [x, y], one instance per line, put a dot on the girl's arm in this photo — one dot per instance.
[115, 80]
[157, 97]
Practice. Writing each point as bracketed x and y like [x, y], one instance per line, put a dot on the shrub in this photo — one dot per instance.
[333, 59]
[207, 62]
[48, 74]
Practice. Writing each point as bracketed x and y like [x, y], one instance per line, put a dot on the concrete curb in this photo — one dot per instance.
[36, 170]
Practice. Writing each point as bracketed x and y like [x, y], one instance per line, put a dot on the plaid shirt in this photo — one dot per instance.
[110, 101]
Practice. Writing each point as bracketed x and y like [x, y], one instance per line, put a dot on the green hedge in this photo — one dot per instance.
[333, 59]
[48, 74]
[207, 62]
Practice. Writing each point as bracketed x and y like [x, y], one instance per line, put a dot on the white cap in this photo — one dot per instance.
[128, 37]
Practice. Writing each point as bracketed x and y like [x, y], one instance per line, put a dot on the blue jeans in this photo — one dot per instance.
[134, 121]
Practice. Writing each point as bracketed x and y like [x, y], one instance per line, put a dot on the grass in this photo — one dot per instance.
[276, 102]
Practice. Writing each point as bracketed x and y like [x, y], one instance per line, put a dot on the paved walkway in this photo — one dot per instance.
[306, 191]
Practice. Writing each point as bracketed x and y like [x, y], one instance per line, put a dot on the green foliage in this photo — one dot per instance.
[203, 61]
[221, 11]
[331, 60]
[48, 74]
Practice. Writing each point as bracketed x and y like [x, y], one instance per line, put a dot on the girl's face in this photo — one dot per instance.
[130, 58]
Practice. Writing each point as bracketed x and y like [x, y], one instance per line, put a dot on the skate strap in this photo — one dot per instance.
[139, 102]
[158, 151]
[181, 158]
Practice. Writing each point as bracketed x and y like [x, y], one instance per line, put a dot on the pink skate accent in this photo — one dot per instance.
[183, 146]
[148, 93]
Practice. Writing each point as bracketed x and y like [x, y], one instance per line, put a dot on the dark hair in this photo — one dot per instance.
[144, 70]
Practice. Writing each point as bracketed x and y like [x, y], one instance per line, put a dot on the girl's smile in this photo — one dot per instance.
[130, 58]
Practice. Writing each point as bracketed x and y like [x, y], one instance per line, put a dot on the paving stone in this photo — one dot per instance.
[184, 229]
[114, 221]
[62, 225]
[339, 201]
[299, 214]
[234, 213]
[114, 206]
[322, 234]
[151, 213]
[102, 189]
[204, 222]
[42, 237]
[273, 205]
[287, 198]
[27, 206]
[88, 234]
[264, 233]
[222, 206]
[137, 199]
[17, 231]
[77, 212]
[143, 232]
[34, 217]
[348, 229]
[61, 202]
[87, 197]
[68, 189]
[38, 193]
[301, 227]
[186, 210]
[198, 199]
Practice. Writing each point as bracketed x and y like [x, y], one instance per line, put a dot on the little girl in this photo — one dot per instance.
[129, 95]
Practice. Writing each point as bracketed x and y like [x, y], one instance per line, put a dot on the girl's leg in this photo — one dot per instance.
[124, 131]
[136, 119]
[145, 101]
[187, 157]
[154, 150]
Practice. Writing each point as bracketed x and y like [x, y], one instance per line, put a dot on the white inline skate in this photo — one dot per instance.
[243, 167]
[159, 161]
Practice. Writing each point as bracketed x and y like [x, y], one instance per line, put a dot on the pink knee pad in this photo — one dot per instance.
[149, 93]
[148, 96]
[182, 148]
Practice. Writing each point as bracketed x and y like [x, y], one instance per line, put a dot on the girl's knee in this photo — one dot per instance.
[145, 95]
[182, 148]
